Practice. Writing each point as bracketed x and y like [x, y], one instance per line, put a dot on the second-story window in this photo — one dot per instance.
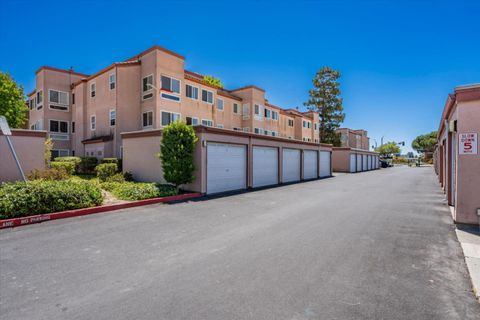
[191, 92]
[290, 122]
[207, 96]
[73, 98]
[93, 89]
[267, 113]
[307, 124]
[58, 126]
[147, 83]
[169, 117]
[112, 81]
[172, 88]
[147, 119]
[113, 117]
[236, 108]
[219, 104]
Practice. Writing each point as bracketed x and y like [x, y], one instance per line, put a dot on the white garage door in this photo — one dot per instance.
[310, 164]
[291, 165]
[353, 162]
[359, 162]
[325, 164]
[377, 165]
[369, 162]
[226, 167]
[364, 162]
[265, 166]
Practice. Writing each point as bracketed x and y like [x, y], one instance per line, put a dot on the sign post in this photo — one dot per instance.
[7, 133]
[468, 143]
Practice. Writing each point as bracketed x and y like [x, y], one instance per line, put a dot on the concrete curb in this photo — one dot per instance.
[469, 238]
[22, 221]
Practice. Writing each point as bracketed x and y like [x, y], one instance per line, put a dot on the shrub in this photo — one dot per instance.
[69, 167]
[48, 174]
[128, 176]
[176, 153]
[105, 170]
[117, 161]
[87, 165]
[140, 191]
[117, 177]
[109, 186]
[47, 154]
[38, 197]
[75, 160]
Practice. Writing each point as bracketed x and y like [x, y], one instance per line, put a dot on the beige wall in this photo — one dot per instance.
[341, 158]
[29, 147]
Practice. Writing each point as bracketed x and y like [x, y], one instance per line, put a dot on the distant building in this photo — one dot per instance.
[356, 139]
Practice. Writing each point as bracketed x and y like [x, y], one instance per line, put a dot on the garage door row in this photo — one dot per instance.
[363, 162]
[228, 166]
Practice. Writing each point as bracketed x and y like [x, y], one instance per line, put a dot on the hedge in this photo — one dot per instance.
[39, 197]
[87, 164]
[138, 190]
[105, 170]
[75, 160]
[48, 174]
[117, 161]
[69, 167]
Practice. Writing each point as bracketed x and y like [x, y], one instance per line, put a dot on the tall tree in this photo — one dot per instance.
[12, 101]
[388, 149]
[425, 142]
[325, 99]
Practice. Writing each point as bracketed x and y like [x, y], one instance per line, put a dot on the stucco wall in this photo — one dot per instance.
[341, 158]
[29, 147]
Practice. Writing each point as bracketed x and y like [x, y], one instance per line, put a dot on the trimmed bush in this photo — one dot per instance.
[117, 177]
[48, 174]
[39, 197]
[140, 191]
[117, 161]
[69, 167]
[105, 170]
[75, 160]
[87, 165]
[128, 176]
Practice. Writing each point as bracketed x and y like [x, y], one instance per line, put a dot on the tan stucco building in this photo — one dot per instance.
[85, 114]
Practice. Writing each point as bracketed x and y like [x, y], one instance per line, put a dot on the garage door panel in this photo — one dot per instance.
[364, 162]
[353, 163]
[265, 166]
[359, 163]
[291, 165]
[310, 164]
[226, 167]
[325, 164]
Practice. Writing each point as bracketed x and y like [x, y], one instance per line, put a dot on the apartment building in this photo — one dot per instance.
[85, 114]
[357, 139]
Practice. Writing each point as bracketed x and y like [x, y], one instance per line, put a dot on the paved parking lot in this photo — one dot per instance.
[374, 245]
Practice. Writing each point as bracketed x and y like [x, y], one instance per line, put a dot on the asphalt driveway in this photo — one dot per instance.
[374, 245]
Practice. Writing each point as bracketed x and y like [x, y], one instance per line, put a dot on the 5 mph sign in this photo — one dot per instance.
[468, 143]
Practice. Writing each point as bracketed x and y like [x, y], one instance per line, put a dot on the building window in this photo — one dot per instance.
[147, 119]
[274, 115]
[236, 108]
[170, 84]
[73, 126]
[58, 126]
[93, 89]
[73, 98]
[267, 113]
[113, 117]
[169, 117]
[59, 98]
[219, 104]
[307, 124]
[274, 134]
[147, 83]
[266, 132]
[93, 123]
[191, 92]
[208, 123]
[220, 126]
[207, 96]
[59, 153]
[290, 122]
[257, 109]
[191, 121]
[31, 103]
[246, 129]
[316, 126]
[39, 99]
[112, 81]
[258, 131]
[237, 129]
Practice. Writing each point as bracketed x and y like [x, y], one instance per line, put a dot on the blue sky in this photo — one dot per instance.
[399, 59]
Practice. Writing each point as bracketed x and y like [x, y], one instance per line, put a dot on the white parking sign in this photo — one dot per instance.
[468, 143]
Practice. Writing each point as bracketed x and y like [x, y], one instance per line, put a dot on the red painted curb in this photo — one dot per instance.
[22, 221]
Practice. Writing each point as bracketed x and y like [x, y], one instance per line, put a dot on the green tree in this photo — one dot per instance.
[388, 149]
[176, 153]
[425, 142]
[325, 99]
[12, 101]
[211, 80]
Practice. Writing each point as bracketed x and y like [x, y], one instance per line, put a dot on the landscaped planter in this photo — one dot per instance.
[15, 222]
